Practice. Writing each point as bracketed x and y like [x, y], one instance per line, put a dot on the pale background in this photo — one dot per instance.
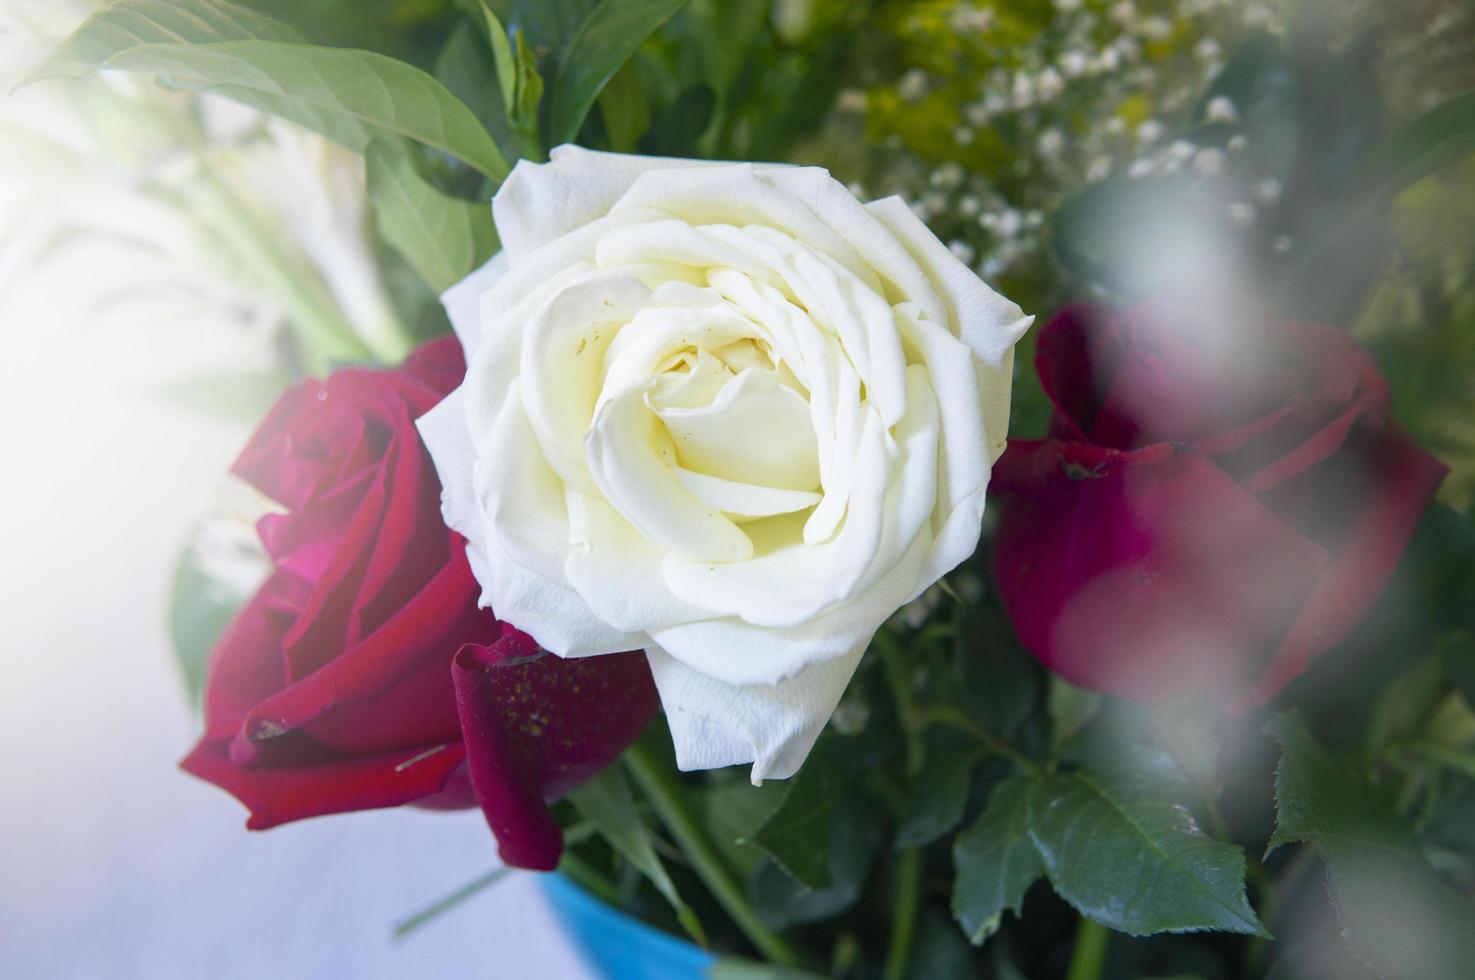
[113, 863]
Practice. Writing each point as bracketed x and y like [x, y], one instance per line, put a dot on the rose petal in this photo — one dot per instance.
[772, 726]
[535, 726]
[278, 796]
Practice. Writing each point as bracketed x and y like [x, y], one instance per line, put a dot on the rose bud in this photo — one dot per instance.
[1217, 504]
[724, 412]
[363, 674]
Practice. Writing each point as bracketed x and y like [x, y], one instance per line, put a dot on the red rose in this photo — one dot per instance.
[1212, 507]
[363, 674]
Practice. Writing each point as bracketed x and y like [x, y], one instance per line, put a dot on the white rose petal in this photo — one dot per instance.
[723, 412]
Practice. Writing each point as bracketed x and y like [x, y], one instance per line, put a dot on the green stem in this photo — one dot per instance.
[327, 337]
[664, 791]
[585, 876]
[954, 717]
[904, 914]
[1088, 962]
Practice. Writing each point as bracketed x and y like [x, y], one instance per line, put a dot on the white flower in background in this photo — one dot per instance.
[725, 413]
[1221, 110]
[213, 209]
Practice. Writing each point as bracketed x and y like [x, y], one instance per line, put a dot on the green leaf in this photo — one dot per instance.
[444, 238]
[435, 910]
[606, 802]
[347, 95]
[625, 109]
[938, 795]
[676, 127]
[733, 968]
[1000, 683]
[940, 951]
[854, 840]
[797, 834]
[996, 861]
[466, 67]
[548, 24]
[1397, 914]
[606, 39]
[1440, 136]
[138, 22]
[1403, 704]
[1319, 797]
[1122, 846]
[241, 396]
[732, 812]
[199, 612]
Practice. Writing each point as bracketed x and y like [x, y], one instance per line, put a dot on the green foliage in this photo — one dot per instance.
[939, 793]
[996, 861]
[797, 834]
[199, 612]
[606, 802]
[850, 845]
[1124, 848]
[606, 38]
[349, 96]
[443, 237]
[1396, 913]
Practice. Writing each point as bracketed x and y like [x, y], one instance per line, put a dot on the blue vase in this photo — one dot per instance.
[618, 946]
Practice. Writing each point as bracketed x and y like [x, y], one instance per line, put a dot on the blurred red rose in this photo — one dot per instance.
[1216, 505]
[363, 674]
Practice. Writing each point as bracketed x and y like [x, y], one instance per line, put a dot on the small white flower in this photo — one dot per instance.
[964, 135]
[962, 250]
[948, 176]
[913, 85]
[1181, 151]
[1155, 28]
[1242, 214]
[968, 19]
[851, 100]
[1099, 170]
[1024, 90]
[1073, 63]
[1141, 167]
[1049, 84]
[1221, 110]
[1267, 191]
[1150, 132]
[1052, 143]
[1209, 162]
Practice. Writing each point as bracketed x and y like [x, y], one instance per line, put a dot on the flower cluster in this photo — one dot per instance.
[994, 115]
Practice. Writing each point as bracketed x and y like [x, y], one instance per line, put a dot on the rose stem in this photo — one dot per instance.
[1089, 959]
[904, 915]
[664, 791]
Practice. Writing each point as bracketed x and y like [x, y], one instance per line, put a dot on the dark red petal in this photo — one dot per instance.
[390, 690]
[1076, 353]
[1148, 575]
[246, 664]
[1405, 479]
[536, 725]
[278, 796]
[439, 364]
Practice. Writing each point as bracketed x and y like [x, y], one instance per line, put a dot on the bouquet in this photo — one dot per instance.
[883, 489]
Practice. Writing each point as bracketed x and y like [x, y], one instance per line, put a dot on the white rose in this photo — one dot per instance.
[725, 413]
